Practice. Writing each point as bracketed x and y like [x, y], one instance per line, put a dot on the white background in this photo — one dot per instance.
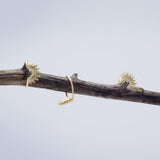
[99, 40]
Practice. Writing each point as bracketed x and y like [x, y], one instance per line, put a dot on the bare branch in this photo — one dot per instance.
[118, 92]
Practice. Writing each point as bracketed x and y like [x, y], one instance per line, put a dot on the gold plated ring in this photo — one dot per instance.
[67, 99]
[34, 73]
[130, 79]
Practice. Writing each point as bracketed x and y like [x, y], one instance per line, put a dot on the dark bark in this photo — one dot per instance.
[119, 92]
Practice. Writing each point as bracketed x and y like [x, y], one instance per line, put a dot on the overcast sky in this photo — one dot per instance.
[99, 40]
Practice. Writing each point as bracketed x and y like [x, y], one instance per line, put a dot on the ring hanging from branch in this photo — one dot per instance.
[67, 100]
[125, 90]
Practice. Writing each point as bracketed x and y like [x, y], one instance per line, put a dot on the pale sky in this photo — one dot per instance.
[99, 40]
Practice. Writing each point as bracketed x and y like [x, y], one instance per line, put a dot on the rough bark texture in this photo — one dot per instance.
[119, 92]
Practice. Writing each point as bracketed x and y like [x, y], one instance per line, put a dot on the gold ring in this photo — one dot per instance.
[67, 99]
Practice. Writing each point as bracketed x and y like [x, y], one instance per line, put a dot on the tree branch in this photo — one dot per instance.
[119, 92]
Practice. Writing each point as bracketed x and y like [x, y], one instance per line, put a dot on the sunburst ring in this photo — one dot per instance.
[128, 78]
[34, 73]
